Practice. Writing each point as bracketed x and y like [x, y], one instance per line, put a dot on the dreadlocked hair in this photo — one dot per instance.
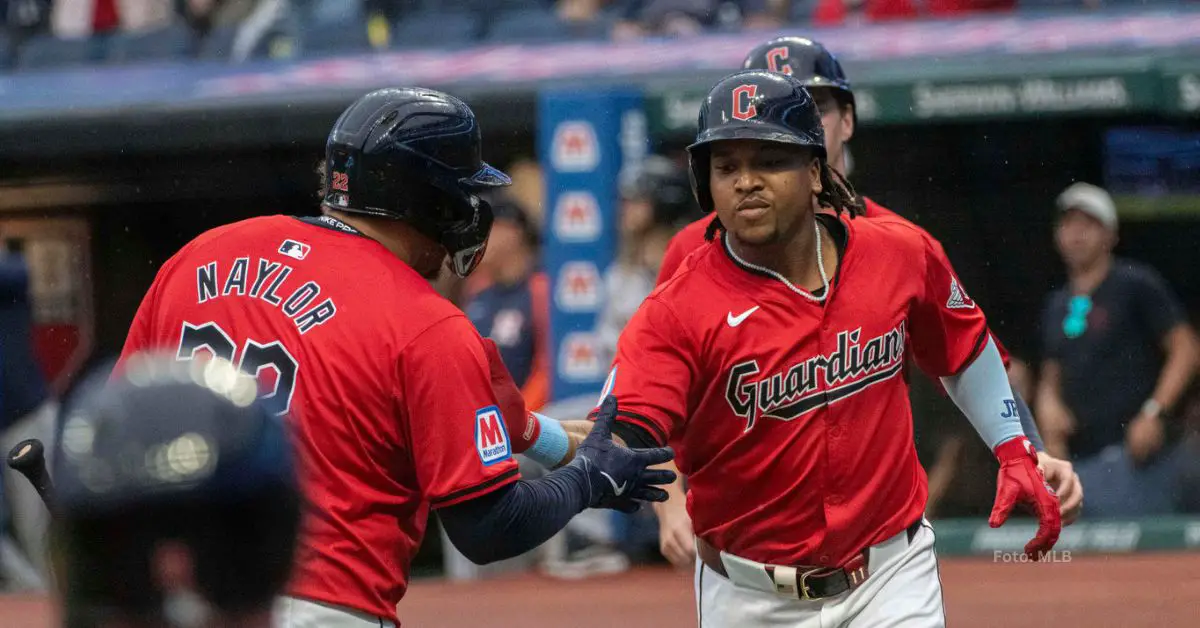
[836, 194]
[714, 227]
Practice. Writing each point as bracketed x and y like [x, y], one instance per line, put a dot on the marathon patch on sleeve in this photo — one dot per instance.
[491, 437]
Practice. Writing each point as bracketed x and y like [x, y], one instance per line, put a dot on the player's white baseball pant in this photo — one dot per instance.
[292, 612]
[903, 589]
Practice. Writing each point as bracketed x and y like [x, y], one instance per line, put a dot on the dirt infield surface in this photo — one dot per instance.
[1094, 592]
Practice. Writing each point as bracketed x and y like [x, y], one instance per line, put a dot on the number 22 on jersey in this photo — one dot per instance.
[254, 358]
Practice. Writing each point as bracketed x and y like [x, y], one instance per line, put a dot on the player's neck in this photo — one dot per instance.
[395, 236]
[794, 257]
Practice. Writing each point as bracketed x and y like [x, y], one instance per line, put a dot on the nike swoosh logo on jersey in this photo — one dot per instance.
[734, 321]
[617, 490]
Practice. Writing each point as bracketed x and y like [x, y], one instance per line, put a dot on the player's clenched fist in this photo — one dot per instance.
[619, 476]
[1020, 480]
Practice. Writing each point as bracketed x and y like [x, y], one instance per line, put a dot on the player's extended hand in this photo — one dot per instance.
[1060, 474]
[618, 475]
[1020, 481]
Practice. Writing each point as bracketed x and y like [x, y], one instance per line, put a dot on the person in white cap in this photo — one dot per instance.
[1118, 355]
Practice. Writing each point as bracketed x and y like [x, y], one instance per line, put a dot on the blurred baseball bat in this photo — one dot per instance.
[28, 458]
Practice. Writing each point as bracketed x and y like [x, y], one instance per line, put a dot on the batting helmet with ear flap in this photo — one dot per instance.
[806, 60]
[414, 155]
[754, 105]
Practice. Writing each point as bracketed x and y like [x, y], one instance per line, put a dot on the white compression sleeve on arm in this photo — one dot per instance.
[983, 393]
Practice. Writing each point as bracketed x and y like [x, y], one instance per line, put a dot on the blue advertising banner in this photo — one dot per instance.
[585, 140]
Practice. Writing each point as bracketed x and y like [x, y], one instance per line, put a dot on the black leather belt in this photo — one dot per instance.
[811, 583]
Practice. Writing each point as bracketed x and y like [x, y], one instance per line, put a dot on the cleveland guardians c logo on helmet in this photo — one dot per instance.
[743, 102]
[774, 56]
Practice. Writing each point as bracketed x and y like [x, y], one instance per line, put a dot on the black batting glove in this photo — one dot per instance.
[619, 477]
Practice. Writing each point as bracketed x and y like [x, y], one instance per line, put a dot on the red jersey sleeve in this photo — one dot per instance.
[459, 444]
[654, 371]
[687, 240]
[948, 328]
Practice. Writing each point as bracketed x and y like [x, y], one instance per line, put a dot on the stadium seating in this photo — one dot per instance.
[47, 52]
[5, 52]
[528, 26]
[429, 29]
[218, 44]
[173, 42]
[322, 12]
[317, 39]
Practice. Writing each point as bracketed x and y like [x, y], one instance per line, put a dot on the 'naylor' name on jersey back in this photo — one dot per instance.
[265, 285]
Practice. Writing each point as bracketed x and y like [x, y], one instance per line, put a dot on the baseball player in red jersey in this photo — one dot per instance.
[389, 388]
[772, 359]
[822, 74]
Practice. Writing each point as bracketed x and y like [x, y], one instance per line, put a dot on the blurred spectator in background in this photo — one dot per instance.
[26, 406]
[73, 19]
[845, 12]
[684, 18]
[528, 188]
[1118, 355]
[20, 20]
[514, 309]
[656, 201]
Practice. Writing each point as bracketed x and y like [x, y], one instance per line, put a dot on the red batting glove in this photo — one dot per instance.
[1020, 480]
[523, 427]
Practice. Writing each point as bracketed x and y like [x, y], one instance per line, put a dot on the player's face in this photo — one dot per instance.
[762, 191]
[838, 122]
[1082, 240]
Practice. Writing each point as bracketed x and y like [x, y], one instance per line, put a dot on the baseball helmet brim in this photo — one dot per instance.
[488, 176]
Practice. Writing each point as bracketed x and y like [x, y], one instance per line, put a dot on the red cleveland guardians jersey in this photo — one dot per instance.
[387, 385]
[691, 238]
[790, 417]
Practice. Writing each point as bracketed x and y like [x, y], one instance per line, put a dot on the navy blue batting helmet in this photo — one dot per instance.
[171, 452]
[806, 60]
[755, 105]
[413, 154]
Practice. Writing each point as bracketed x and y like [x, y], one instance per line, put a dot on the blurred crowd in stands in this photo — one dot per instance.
[41, 34]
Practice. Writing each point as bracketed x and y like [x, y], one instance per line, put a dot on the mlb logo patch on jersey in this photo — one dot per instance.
[491, 437]
[574, 148]
[577, 217]
[294, 249]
